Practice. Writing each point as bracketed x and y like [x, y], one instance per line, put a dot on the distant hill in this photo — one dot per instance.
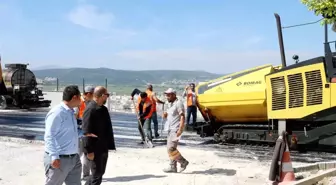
[123, 77]
[46, 67]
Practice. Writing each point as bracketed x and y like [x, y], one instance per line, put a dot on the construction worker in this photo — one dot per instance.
[152, 96]
[145, 112]
[86, 98]
[189, 92]
[175, 119]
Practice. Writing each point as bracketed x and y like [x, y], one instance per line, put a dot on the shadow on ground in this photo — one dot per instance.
[132, 178]
[215, 171]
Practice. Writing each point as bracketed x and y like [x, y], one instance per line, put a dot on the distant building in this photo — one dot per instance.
[39, 81]
[50, 79]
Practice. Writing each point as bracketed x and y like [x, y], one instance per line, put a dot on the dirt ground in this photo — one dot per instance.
[22, 164]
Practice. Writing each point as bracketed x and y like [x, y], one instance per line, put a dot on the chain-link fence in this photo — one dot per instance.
[56, 85]
[120, 99]
[124, 104]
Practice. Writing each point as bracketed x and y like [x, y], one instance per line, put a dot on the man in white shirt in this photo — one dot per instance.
[175, 119]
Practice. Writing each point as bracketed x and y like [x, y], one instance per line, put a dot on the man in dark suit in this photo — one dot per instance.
[98, 134]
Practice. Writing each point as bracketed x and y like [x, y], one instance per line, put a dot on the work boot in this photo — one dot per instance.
[172, 168]
[150, 144]
[184, 165]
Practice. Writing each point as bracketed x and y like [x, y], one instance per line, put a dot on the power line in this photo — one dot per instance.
[302, 24]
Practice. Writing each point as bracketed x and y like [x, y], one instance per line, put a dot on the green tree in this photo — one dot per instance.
[326, 8]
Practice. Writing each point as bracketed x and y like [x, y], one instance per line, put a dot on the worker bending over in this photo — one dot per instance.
[189, 92]
[145, 111]
[175, 120]
[85, 99]
[154, 99]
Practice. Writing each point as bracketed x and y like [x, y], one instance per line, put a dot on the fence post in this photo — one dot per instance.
[83, 84]
[57, 84]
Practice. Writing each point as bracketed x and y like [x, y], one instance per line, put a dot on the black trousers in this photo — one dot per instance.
[98, 166]
[191, 110]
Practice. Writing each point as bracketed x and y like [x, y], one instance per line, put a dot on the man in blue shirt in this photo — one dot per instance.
[61, 160]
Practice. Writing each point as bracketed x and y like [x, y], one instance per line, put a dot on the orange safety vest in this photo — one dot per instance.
[147, 103]
[189, 98]
[150, 95]
[81, 108]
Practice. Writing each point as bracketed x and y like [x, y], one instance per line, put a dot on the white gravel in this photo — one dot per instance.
[327, 181]
[22, 164]
[330, 181]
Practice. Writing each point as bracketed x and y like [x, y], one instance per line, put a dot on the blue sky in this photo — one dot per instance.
[218, 36]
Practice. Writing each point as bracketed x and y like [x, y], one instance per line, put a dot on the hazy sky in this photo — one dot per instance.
[216, 35]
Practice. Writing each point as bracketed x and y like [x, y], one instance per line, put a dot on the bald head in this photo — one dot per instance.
[99, 91]
[100, 95]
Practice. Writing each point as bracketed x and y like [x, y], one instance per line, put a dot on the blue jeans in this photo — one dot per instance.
[156, 124]
[191, 111]
[147, 131]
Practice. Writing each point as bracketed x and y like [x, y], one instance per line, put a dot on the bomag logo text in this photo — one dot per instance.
[252, 83]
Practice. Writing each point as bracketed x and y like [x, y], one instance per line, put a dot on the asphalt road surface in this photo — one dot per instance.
[30, 125]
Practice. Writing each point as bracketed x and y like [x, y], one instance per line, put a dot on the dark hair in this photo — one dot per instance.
[143, 94]
[150, 86]
[70, 91]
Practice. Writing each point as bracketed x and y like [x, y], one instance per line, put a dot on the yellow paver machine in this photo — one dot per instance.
[257, 104]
